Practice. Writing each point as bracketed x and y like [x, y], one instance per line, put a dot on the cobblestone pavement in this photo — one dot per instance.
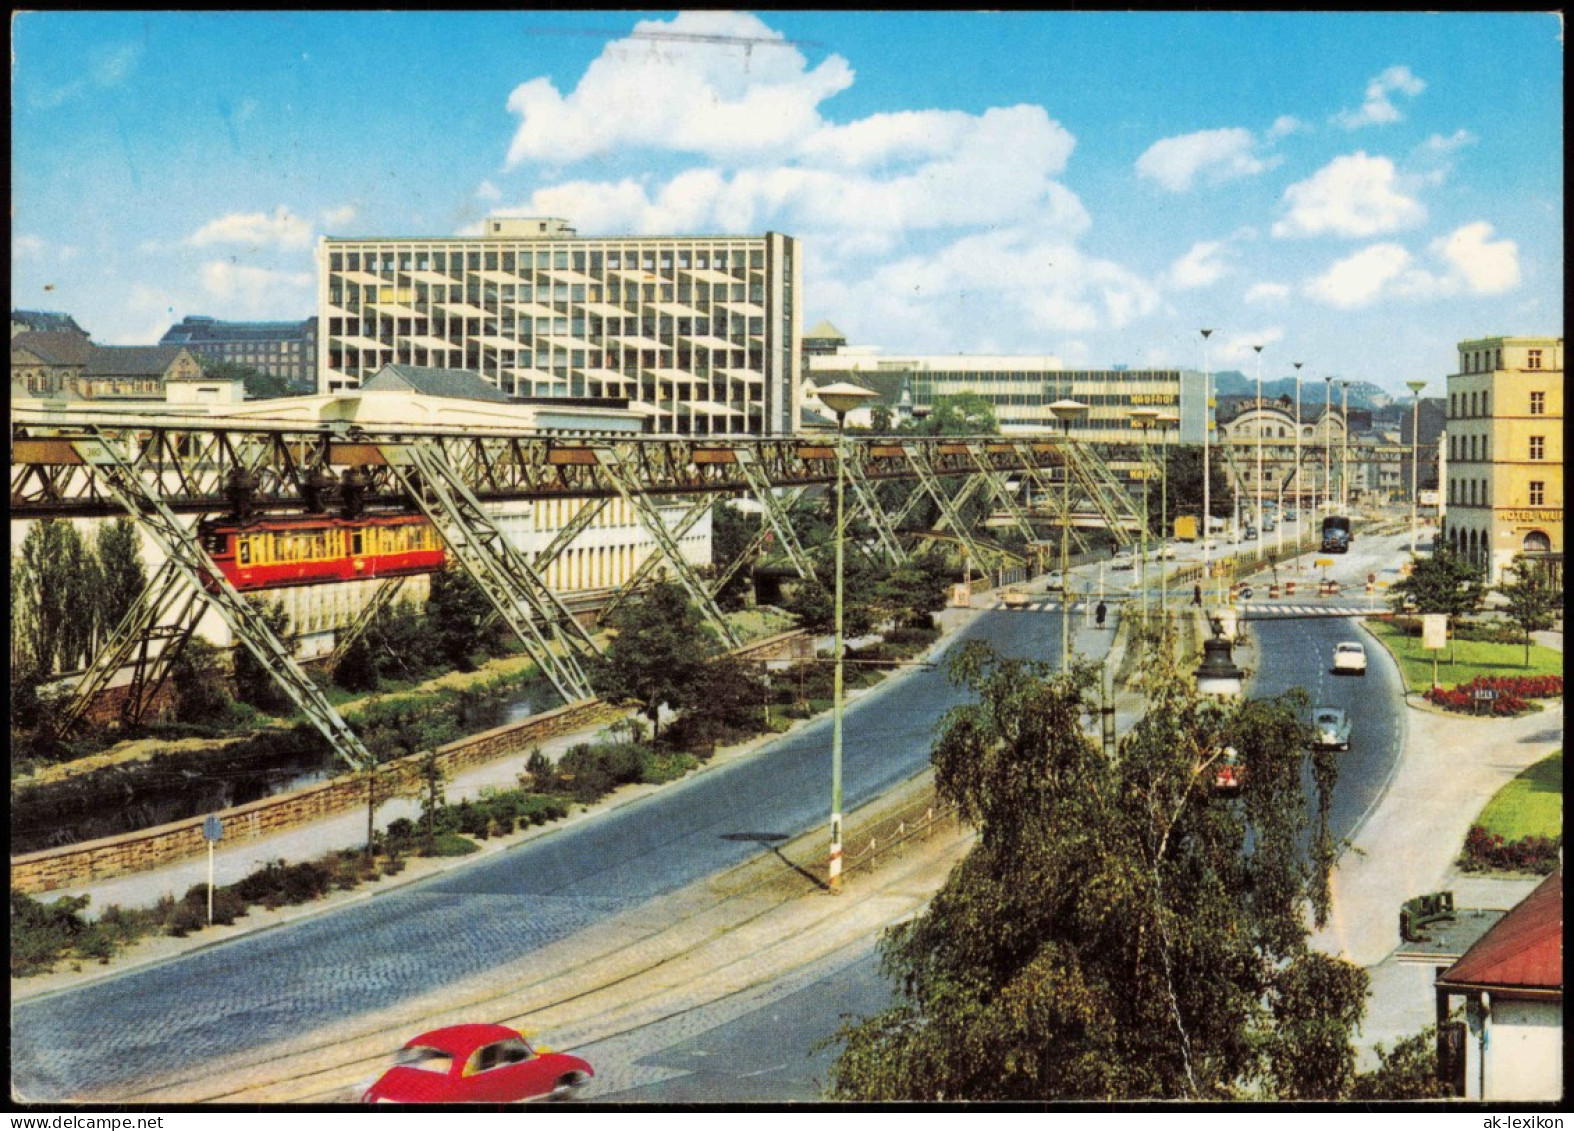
[143, 1027]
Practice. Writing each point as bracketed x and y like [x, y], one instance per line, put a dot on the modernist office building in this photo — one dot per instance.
[1021, 389]
[280, 349]
[1505, 451]
[698, 333]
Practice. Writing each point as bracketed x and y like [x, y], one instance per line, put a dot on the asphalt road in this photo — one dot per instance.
[100, 1040]
[154, 1024]
[781, 1052]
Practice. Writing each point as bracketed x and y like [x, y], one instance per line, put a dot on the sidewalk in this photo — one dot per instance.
[1451, 766]
[348, 830]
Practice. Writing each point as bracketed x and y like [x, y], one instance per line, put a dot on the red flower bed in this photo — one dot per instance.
[1485, 852]
[1512, 693]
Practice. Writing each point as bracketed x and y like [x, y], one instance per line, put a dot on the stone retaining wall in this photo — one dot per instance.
[140, 851]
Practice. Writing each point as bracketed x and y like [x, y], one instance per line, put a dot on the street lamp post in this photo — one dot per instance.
[1415, 388]
[1207, 432]
[1065, 411]
[1144, 419]
[1166, 422]
[840, 398]
[1300, 504]
[1259, 441]
[1328, 440]
[1344, 456]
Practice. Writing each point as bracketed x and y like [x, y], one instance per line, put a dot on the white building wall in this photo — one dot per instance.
[1524, 1052]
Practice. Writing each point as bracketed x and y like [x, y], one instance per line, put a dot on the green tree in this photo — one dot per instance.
[54, 593]
[1409, 1072]
[963, 414]
[200, 683]
[658, 653]
[122, 576]
[1184, 475]
[1533, 601]
[880, 421]
[455, 611]
[259, 385]
[1120, 930]
[1443, 583]
[730, 533]
[254, 683]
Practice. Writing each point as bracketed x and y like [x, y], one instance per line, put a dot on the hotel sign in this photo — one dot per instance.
[1530, 516]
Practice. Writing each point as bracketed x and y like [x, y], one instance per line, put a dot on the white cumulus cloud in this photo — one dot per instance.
[255, 292]
[1199, 267]
[1215, 155]
[1359, 279]
[1466, 261]
[1353, 195]
[255, 229]
[646, 91]
[1378, 109]
[338, 217]
[1483, 266]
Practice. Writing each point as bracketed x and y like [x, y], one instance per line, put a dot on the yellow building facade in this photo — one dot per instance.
[1505, 452]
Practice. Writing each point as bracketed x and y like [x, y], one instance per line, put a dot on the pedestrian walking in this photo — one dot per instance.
[1196, 595]
[1100, 613]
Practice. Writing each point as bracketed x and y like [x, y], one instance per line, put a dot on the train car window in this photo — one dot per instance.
[244, 546]
[215, 543]
[355, 543]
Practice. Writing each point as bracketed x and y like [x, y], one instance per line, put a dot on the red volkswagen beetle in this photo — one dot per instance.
[477, 1064]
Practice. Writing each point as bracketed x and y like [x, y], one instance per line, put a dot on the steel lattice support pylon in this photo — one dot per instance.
[884, 529]
[166, 610]
[561, 541]
[756, 543]
[775, 517]
[652, 562]
[1109, 498]
[553, 638]
[1056, 497]
[373, 608]
[949, 512]
[185, 554]
[627, 482]
[996, 482]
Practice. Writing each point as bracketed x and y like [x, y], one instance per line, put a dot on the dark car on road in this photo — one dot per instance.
[1332, 726]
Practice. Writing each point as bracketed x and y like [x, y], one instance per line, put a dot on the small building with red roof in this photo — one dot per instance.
[1511, 982]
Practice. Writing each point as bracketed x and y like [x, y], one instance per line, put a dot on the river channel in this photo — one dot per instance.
[141, 795]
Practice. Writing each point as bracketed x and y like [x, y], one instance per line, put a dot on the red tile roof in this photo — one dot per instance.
[1523, 951]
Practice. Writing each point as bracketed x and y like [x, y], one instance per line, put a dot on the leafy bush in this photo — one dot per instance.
[1489, 852]
[449, 844]
[42, 932]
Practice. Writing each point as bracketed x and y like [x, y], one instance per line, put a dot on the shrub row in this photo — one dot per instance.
[1489, 852]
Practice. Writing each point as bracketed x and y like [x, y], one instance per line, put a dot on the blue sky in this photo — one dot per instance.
[1356, 191]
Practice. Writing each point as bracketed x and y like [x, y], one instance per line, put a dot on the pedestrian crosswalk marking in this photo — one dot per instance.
[1248, 610]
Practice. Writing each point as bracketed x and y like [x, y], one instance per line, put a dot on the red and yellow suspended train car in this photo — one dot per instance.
[271, 553]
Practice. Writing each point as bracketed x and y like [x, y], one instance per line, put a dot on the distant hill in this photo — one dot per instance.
[1363, 394]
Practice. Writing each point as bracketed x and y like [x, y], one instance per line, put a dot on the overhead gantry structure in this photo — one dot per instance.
[166, 475]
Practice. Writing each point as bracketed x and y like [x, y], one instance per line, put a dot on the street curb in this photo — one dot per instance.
[492, 846]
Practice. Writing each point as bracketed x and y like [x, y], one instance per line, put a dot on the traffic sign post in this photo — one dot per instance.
[212, 832]
[1484, 695]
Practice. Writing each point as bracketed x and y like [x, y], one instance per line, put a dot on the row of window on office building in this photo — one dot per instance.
[733, 261]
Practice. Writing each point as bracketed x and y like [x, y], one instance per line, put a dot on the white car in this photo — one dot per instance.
[1349, 657]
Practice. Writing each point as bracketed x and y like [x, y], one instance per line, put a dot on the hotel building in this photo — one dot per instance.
[700, 334]
[1505, 452]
